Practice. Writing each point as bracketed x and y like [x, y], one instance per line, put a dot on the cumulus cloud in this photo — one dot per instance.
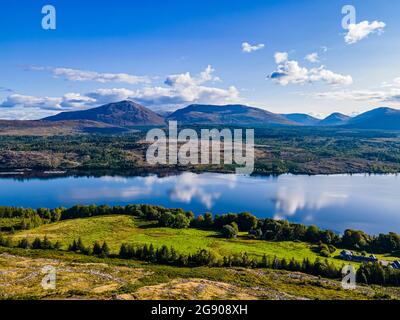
[290, 72]
[281, 57]
[312, 57]
[178, 90]
[186, 79]
[18, 100]
[85, 75]
[248, 48]
[185, 88]
[361, 30]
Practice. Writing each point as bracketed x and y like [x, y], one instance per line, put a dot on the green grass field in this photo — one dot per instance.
[120, 229]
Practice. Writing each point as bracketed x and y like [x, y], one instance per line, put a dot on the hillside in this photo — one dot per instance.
[118, 229]
[123, 113]
[227, 115]
[302, 119]
[85, 277]
[380, 118]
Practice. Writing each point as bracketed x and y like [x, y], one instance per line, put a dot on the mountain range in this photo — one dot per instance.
[129, 114]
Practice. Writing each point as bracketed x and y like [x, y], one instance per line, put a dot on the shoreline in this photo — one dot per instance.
[28, 173]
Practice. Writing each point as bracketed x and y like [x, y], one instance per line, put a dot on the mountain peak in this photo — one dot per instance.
[335, 119]
[379, 118]
[231, 114]
[122, 113]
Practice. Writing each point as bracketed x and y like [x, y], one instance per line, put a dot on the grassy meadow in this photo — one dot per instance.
[118, 229]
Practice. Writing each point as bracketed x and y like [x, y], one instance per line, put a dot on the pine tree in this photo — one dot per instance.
[37, 244]
[97, 249]
[105, 250]
[79, 245]
[57, 245]
[123, 251]
[73, 247]
[152, 253]
[24, 243]
[46, 244]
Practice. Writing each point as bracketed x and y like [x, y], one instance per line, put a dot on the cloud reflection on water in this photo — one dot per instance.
[292, 199]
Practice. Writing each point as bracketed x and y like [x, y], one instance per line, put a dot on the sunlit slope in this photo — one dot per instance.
[119, 229]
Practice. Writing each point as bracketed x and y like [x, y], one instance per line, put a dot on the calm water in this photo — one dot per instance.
[370, 203]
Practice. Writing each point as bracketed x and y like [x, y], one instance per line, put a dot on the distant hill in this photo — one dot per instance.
[302, 119]
[380, 118]
[335, 119]
[227, 115]
[124, 113]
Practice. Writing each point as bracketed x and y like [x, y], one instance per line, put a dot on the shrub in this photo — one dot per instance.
[229, 232]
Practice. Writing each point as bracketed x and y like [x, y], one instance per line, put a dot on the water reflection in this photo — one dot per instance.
[337, 202]
[298, 196]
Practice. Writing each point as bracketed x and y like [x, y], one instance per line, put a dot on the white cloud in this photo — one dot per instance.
[361, 30]
[312, 57]
[329, 77]
[388, 92]
[280, 57]
[21, 101]
[184, 88]
[185, 79]
[103, 96]
[392, 95]
[290, 72]
[248, 48]
[85, 75]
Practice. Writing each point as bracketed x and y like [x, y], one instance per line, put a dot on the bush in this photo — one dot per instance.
[229, 232]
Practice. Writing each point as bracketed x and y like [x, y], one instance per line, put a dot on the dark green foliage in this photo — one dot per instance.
[246, 221]
[97, 249]
[168, 256]
[24, 244]
[375, 273]
[229, 232]
[37, 243]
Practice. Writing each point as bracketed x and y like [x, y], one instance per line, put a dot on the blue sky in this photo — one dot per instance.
[168, 54]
